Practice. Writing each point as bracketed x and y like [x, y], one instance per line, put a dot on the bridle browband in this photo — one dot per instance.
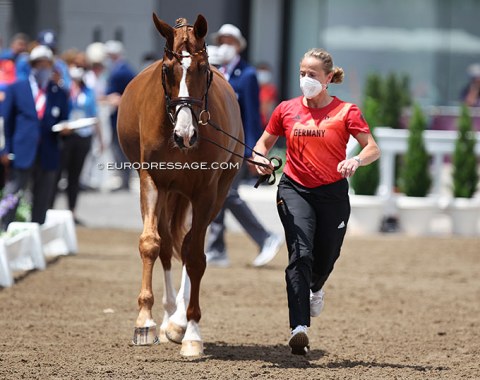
[203, 118]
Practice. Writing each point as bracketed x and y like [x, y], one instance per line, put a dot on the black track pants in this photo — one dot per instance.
[315, 221]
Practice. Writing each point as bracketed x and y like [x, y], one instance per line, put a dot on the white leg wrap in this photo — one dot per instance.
[183, 297]
[168, 297]
[193, 332]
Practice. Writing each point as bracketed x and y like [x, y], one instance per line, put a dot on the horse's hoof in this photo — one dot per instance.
[162, 336]
[174, 332]
[191, 348]
[145, 336]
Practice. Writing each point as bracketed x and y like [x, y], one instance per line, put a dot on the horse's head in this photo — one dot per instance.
[186, 76]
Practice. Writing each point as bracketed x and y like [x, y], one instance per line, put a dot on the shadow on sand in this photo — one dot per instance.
[279, 356]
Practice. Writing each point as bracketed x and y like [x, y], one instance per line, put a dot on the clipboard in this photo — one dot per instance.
[75, 124]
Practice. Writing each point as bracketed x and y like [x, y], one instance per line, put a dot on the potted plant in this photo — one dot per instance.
[367, 207]
[415, 208]
[464, 209]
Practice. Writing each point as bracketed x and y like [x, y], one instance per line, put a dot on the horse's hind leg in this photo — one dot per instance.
[149, 247]
[177, 324]
[169, 293]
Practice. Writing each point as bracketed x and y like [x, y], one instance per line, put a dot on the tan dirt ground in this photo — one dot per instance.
[396, 308]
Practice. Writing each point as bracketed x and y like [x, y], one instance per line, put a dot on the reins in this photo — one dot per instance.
[269, 178]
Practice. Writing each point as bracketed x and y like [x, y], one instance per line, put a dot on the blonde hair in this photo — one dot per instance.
[327, 61]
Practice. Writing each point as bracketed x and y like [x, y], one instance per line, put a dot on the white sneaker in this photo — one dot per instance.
[299, 340]
[219, 260]
[269, 250]
[316, 302]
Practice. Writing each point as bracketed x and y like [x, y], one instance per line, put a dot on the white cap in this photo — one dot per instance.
[41, 52]
[96, 52]
[474, 70]
[114, 47]
[230, 30]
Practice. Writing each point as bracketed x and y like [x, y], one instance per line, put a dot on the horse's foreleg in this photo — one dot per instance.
[195, 264]
[149, 247]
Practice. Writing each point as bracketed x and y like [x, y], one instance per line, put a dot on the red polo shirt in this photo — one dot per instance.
[316, 138]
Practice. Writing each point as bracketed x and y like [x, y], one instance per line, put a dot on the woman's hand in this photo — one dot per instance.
[263, 170]
[347, 168]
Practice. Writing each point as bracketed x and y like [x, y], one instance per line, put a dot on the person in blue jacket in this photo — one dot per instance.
[31, 108]
[48, 38]
[120, 76]
[243, 78]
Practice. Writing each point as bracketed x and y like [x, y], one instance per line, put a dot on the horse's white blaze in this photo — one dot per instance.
[193, 332]
[184, 125]
[183, 297]
[168, 297]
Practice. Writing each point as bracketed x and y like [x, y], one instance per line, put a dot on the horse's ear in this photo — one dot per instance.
[164, 29]
[201, 27]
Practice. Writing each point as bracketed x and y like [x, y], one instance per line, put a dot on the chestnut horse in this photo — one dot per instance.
[164, 126]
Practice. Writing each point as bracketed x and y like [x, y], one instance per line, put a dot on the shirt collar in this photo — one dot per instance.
[233, 63]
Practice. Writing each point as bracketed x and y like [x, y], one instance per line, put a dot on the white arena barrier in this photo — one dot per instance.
[32, 243]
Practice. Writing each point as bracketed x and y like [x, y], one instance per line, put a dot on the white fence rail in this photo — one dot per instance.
[30, 244]
[439, 144]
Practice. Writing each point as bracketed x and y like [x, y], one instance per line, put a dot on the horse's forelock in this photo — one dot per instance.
[180, 22]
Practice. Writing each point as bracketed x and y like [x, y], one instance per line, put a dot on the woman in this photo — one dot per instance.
[312, 198]
[76, 145]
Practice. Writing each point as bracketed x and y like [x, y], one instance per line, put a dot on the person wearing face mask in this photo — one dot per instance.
[120, 74]
[48, 38]
[31, 108]
[312, 197]
[76, 145]
[242, 78]
[268, 92]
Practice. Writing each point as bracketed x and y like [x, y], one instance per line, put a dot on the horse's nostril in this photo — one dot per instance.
[178, 140]
[193, 139]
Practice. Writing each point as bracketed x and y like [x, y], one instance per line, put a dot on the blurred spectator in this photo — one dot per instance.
[48, 38]
[76, 145]
[268, 92]
[96, 78]
[471, 93]
[120, 75]
[69, 56]
[241, 76]
[7, 73]
[32, 107]
[17, 54]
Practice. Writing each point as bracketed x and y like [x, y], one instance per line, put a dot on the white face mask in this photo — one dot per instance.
[227, 52]
[310, 87]
[264, 76]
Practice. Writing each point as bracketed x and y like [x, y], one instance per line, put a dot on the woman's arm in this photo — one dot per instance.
[369, 153]
[263, 146]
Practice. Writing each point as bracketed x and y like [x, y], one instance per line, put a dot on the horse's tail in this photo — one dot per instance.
[179, 210]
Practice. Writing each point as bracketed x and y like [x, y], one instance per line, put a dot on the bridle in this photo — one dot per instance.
[176, 104]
